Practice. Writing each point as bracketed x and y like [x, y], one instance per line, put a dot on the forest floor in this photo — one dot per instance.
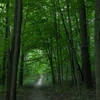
[52, 93]
[47, 92]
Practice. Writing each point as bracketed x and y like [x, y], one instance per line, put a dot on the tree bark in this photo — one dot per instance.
[21, 70]
[15, 50]
[86, 65]
[97, 48]
[4, 69]
[50, 56]
[6, 50]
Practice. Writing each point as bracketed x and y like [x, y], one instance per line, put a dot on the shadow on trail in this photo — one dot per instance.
[34, 94]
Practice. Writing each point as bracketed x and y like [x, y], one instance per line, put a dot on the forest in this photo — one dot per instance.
[49, 49]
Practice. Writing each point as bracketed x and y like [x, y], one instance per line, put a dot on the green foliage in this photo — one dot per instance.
[38, 35]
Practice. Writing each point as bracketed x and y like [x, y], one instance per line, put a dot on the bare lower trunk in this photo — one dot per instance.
[86, 66]
[21, 70]
[97, 48]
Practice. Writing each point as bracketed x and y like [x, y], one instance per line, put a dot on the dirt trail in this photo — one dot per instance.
[35, 91]
[35, 94]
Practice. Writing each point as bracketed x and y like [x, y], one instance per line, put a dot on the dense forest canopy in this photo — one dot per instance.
[51, 42]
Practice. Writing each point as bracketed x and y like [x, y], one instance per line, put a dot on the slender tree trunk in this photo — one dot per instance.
[6, 50]
[8, 53]
[97, 48]
[9, 74]
[58, 49]
[17, 33]
[61, 64]
[4, 70]
[86, 66]
[50, 56]
[21, 70]
[56, 32]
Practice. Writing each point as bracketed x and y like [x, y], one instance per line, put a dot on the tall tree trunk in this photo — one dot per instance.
[86, 66]
[56, 32]
[97, 48]
[6, 50]
[57, 48]
[15, 49]
[17, 33]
